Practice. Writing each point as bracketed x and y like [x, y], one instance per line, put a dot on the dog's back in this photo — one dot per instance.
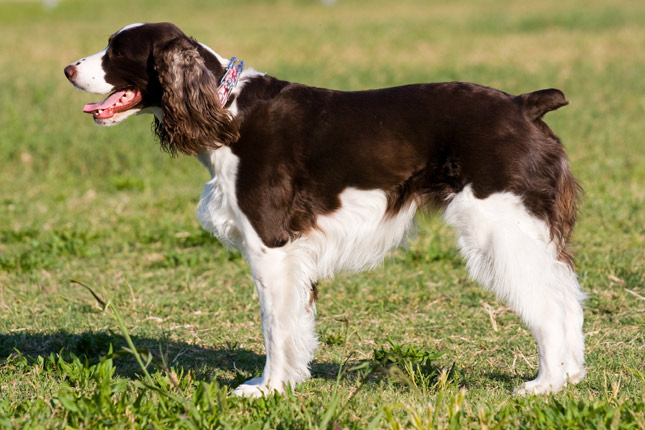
[424, 142]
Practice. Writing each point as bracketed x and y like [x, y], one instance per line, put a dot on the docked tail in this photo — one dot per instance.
[537, 103]
[563, 191]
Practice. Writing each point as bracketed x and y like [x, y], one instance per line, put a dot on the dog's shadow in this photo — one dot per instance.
[229, 365]
[226, 364]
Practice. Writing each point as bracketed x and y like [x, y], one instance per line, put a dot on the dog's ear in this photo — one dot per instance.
[193, 120]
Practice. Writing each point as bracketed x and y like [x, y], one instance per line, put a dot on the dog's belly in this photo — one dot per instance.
[355, 237]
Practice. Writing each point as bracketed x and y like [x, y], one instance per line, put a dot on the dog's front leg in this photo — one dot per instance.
[288, 321]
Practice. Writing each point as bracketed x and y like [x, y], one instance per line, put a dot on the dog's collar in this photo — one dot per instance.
[229, 80]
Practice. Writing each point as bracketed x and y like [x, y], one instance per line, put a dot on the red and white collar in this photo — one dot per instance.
[229, 80]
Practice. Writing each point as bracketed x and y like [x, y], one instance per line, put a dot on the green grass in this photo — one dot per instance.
[409, 345]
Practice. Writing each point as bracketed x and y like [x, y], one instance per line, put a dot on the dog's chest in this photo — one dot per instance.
[217, 209]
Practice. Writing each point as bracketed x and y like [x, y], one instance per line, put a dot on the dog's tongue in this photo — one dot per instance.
[115, 102]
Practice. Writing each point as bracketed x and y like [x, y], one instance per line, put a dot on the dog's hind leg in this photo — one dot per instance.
[286, 297]
[510, 252]
[573, 298]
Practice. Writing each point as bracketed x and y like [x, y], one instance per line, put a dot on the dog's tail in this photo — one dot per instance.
[566, 193]
[537, 103]
[565, 210]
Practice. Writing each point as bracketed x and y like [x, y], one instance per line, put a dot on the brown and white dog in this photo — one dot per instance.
[307, 182]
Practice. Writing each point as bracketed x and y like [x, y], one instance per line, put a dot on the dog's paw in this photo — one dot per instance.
[576, 375]
[255, 387]
[538, 386]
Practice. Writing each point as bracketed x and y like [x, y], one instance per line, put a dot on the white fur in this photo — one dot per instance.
[129, 26]
[355, 237]
[90, 75]
[217, 209]
[510, 252]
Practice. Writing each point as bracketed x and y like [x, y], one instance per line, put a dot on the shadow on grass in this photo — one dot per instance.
[227, 365]
[505, 377]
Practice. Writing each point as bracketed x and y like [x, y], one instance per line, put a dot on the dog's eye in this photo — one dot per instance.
[114, 51]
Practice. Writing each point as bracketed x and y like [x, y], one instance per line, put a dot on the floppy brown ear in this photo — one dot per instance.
[193, 120]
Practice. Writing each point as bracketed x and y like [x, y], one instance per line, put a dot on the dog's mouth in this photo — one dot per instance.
[118, 101]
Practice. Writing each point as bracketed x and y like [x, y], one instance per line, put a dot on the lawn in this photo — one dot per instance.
[413, 344]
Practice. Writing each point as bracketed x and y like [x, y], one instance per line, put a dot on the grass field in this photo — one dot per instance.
[414, 344]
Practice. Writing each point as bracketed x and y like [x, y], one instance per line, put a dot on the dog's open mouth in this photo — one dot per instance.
[118, 101]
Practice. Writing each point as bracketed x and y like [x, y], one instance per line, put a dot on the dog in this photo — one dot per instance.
[307, 182]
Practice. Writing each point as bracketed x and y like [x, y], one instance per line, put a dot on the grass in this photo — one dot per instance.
[414, 344]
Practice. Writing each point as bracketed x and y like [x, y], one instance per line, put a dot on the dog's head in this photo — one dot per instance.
[156, 68]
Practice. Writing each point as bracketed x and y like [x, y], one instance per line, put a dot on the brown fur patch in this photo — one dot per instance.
[313, 295]
[193, 120]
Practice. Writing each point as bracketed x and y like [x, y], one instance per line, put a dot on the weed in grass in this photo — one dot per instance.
[411, 365]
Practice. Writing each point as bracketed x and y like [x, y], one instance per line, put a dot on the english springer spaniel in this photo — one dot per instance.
[306, 182]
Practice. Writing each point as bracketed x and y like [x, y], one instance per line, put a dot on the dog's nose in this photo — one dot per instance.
[70, 71]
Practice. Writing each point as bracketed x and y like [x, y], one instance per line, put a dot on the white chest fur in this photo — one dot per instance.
[217, 209]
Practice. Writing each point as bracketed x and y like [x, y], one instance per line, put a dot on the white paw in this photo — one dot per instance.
[255, 387]
[577, 375]
[538, 386]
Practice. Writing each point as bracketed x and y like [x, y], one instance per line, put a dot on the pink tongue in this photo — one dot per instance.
[109, 102]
